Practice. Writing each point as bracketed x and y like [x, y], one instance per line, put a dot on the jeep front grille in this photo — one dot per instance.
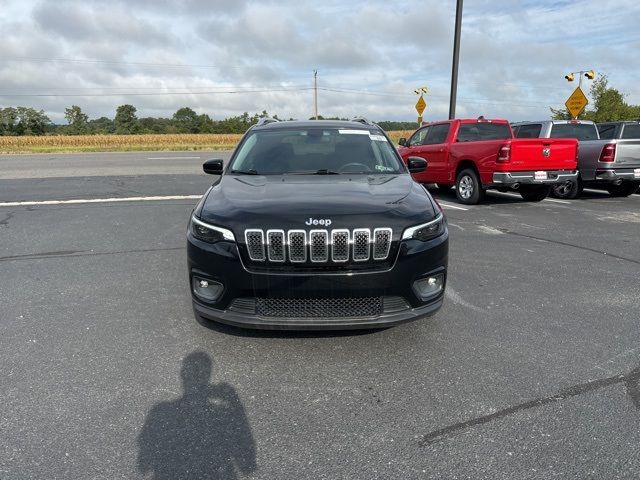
[361, 247]
[255, 244]
[381, 243]
[318, 246]
[297, 246]
[340, 245]
[275, 245]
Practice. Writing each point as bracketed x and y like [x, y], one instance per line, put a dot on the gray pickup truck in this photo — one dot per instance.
[610, 161]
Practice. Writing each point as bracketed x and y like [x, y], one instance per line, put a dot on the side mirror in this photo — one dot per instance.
[213, 167]
[416, 164]
[403, 142]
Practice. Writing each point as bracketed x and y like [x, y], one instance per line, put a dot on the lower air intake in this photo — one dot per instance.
[319, 307]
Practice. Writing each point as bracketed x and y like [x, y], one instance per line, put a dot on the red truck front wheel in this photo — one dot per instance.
[468, 187]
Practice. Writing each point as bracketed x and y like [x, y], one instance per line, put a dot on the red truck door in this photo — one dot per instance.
[435, 152]
[415, 148]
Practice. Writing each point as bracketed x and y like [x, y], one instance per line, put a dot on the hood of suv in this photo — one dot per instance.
[316, 201]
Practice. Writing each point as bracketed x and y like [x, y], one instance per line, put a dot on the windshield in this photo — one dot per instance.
[476, 132]
[579, 131]
[631, 130]
[316, 150]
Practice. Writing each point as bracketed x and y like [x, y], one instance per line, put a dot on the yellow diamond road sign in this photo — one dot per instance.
[420, 105]
[576, 102]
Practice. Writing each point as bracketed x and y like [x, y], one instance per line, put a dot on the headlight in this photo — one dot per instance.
[426, 231]
[209, 233]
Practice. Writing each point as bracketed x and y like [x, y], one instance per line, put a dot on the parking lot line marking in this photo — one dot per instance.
[173, 158]
[99, 200]
[508, 194]
[517, 195]
[447, 205]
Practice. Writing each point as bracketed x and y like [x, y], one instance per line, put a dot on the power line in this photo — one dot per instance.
[162, 88]
[115, 62]
[144, 94]
[91, 61]
[479, 101]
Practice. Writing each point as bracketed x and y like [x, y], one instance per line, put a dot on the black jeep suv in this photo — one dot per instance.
[316, 225]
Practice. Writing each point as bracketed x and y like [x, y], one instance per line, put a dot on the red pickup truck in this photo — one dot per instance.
[478, 154]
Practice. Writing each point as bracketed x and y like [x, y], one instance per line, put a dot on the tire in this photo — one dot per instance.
[468, 187]
[623, 190]
[567, 190]
[535, 193]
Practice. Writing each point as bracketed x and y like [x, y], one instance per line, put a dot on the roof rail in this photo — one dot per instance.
[266, 120]
[362, 120]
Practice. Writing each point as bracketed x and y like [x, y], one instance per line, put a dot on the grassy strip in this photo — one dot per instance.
[129, 143]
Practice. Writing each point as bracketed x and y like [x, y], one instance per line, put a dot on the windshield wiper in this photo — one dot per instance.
[322, 171]
[245, 172]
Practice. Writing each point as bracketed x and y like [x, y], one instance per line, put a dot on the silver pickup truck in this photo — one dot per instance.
[610, 162]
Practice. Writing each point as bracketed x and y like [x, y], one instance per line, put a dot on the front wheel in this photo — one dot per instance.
[623, 190]
[468, 187]
[535, 193]
[568, 190]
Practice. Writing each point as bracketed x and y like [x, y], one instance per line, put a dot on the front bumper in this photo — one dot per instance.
[316, 323]
[534, 178]
[615, 175]
[221, 262]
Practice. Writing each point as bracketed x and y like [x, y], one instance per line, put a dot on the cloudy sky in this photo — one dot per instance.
[225, 57]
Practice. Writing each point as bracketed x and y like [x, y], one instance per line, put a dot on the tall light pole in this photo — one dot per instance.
[315, 92]
[456, 57]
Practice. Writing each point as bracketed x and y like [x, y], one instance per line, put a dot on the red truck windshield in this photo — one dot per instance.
[475, 132]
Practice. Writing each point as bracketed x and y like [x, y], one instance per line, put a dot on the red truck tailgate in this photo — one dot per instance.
[541, 154]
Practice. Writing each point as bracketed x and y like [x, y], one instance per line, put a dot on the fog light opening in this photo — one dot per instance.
[208, 290]
[430, 286]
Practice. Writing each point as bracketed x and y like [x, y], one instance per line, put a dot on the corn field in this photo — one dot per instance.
[123, 143]
[108, 143]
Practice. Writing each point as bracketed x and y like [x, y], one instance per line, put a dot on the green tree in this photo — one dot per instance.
[186, 120]
[126, 121]
[205, 124]
[78, 121]
[8, 120]
[609, 104]
[102, 125]
[30, 121]
[156, 125]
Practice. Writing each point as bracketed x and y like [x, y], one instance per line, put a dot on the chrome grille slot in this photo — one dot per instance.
[275, 245]
[255, 244]
[340, 245]
[381, 243]
[319, 245]
[361, 241]
[297, 246]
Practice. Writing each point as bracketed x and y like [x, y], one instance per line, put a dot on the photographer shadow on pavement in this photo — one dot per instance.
[203, 434]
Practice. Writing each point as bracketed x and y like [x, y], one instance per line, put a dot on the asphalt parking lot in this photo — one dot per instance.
[531, 369]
